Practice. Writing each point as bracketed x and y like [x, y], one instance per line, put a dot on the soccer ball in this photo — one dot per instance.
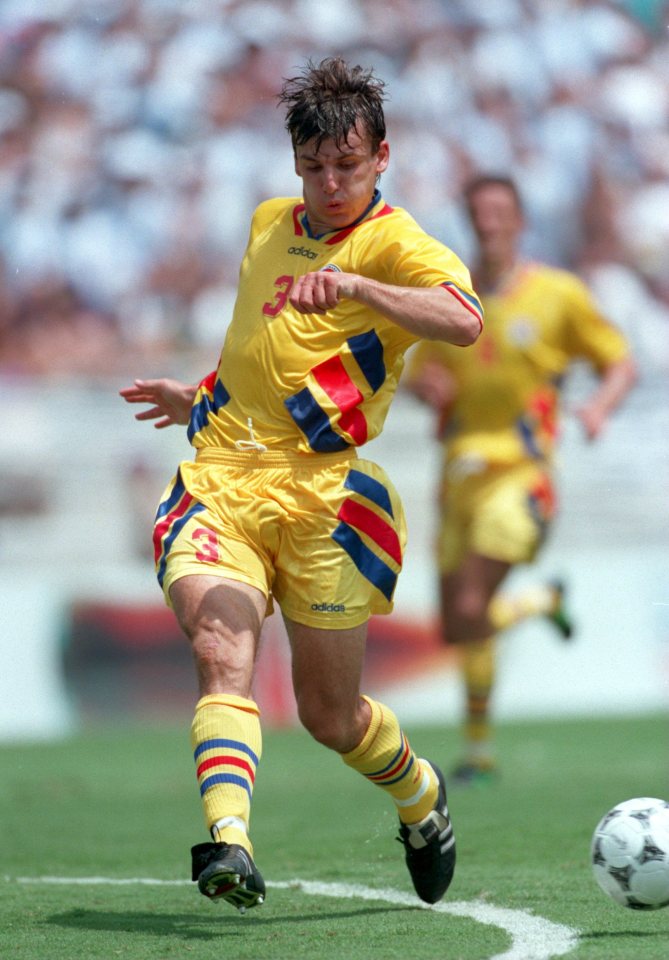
[630, 853]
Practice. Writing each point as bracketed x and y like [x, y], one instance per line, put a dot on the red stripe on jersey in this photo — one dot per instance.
[209, 381]
[338, 237]
[383, 535]
[459, 296]
[297, 211]
[332, 377]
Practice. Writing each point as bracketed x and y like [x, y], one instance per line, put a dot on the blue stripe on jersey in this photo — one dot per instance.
[370, 566]
[224, 778]
[199, 416]
[368, 352]
[177, 526]
[314, 422]
[528, 438]
[217, 743]
[473, 302]
[370, 488]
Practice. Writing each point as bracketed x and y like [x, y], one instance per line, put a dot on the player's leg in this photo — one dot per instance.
[530, 511]
[222, 620]
[545, 600]
[466, 594]
[327, 666]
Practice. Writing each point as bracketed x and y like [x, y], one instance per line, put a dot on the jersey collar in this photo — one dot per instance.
[376, 208]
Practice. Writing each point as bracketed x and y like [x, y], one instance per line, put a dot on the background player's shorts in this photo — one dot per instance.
[323, 534]
[503, 513]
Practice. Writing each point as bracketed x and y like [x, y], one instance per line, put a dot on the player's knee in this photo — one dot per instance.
[466, 619]
[221, 657]
[326, 725]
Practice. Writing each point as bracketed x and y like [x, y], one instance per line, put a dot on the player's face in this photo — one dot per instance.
[497, 221]
[338, 181]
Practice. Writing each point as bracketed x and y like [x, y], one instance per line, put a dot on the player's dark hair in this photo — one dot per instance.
[329, 99]
[493, 180]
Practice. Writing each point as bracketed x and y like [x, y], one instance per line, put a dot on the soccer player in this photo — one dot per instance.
[496, 407]
[276, 506]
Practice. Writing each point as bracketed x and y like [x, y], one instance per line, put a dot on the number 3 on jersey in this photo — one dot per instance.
[274, 307]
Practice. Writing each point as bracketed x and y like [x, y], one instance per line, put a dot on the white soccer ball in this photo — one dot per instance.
[630, 853]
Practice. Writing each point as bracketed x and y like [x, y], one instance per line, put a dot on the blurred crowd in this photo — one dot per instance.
[136, 136]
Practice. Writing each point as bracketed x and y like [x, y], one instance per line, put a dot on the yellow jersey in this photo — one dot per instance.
[507, 384]
[310, 382]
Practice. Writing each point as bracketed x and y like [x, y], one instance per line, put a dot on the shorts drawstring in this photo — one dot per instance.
[251, 444]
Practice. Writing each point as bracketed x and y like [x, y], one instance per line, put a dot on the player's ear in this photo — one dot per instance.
[382, 156]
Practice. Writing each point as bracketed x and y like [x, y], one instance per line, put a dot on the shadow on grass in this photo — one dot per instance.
[193, 926]
[614, 934]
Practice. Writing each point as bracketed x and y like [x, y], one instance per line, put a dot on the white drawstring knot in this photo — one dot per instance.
[251, 444]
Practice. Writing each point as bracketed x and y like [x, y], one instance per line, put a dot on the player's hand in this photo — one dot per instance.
[593, 420]
[435, 386]
[171, 400]
[321, 291]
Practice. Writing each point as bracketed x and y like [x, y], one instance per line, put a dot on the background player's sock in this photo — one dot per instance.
[478, 669]
[227, 744]
[386, 759]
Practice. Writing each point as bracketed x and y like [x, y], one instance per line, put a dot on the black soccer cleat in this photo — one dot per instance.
[226, 871]
[430, 848]
[559, 616]
[473, 773]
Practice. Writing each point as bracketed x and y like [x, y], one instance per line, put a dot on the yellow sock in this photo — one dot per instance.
[227, 744]
[478, 668]
[386, 759]
[504, 610]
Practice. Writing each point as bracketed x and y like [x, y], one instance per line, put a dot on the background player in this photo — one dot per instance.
[333, 289]
[497, 407]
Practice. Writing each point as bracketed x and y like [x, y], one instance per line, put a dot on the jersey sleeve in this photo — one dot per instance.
[412, 258]
[588, 333]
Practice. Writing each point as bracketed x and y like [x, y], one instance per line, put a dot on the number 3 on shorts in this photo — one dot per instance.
[208, 545]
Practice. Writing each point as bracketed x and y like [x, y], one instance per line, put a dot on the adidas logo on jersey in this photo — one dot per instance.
[302, 252]
[329, 607]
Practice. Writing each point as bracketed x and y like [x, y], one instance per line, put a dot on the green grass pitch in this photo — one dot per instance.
[122, 803]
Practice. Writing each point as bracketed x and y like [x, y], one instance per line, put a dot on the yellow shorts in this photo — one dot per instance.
[503, 513]
[323, 534]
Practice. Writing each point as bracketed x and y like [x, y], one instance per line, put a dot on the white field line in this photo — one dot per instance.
[532, 937]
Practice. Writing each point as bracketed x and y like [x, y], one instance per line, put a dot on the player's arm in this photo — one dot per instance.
[615, 382]
[432, 313]
[171, 400]
[428, 378]
[432, 383]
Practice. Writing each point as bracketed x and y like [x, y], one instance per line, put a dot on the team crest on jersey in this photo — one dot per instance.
[521, 332]
[330, 268]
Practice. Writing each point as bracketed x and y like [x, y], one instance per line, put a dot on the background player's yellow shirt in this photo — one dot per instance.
[312, 382]
[507, 383]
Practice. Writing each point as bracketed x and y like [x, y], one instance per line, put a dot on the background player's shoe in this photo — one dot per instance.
[474, 773]
[226, 871]
[430, 848]
[559, 616]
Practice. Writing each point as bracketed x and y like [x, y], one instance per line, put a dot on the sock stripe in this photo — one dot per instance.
[222, 760]
[224, 778]
[230, 744]
[414, 798]
[396, 764]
